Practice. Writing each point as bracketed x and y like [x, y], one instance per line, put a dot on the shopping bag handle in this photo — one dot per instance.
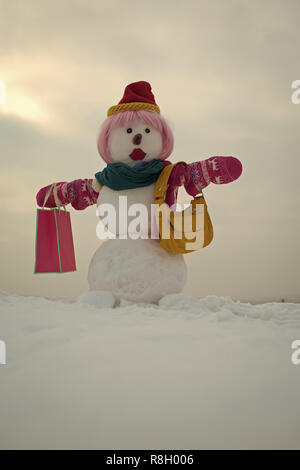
[53, 188]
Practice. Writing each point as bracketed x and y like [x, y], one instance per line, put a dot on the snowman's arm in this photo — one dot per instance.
[80, 194]
[197, 175]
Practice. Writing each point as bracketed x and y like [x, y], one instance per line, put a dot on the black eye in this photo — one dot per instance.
[129, 130]
[147, 130]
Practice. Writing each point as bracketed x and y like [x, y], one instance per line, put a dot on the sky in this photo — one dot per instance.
[222, 74]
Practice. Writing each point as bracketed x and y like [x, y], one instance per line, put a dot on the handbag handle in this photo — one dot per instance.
[161, 186]
[53, 188]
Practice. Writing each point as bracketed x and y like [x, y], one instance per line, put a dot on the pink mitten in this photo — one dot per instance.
[79, 193]
[180, 175]
[218, 170]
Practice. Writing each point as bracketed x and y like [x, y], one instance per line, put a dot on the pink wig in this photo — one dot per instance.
[125, 118]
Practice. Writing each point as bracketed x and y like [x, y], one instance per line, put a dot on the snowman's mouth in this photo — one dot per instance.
[137, 154]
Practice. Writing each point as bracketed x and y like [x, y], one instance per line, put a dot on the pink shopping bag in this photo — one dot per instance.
[54, 251]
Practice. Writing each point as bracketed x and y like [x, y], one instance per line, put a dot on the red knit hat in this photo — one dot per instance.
[137, 95]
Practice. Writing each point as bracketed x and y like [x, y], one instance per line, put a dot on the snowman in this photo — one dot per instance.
[135, 141]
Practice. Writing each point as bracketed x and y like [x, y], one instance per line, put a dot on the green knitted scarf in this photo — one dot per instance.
[118, 176]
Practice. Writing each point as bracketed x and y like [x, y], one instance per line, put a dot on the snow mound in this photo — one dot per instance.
[100, 299]
[208, 373]
[287, 314]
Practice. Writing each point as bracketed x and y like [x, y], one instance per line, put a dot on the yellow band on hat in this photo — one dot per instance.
[132, 107]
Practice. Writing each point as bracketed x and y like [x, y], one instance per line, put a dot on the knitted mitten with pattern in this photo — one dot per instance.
[80, 193]
[218, 170]
[196, 176]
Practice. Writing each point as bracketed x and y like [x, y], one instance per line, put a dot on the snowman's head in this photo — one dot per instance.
[132, 136]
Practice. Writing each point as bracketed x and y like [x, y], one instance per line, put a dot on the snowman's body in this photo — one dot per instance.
[137, 270]
[122, 201]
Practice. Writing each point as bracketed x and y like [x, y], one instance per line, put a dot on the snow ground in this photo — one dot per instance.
[190, 374]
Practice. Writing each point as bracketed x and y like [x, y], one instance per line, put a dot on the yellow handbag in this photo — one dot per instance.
[181, 231]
